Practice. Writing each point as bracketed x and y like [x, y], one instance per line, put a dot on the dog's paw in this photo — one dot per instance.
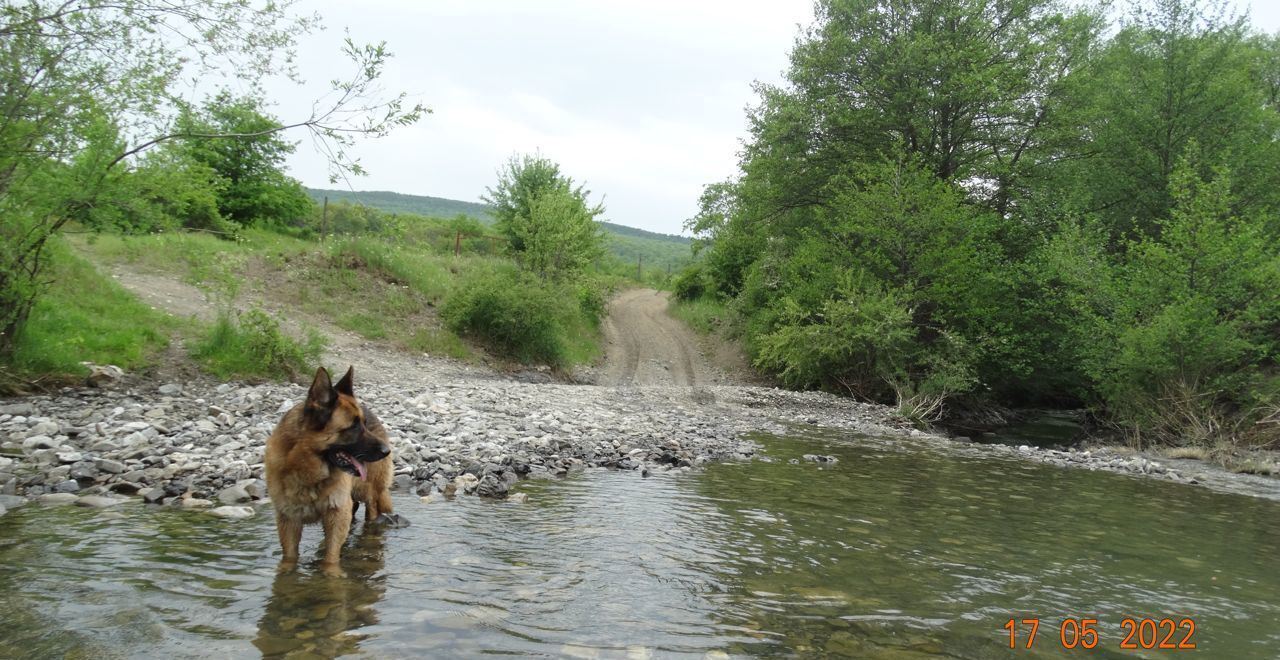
[394, 520]
[332, 570]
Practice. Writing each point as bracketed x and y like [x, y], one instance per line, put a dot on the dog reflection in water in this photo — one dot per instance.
[320, 616]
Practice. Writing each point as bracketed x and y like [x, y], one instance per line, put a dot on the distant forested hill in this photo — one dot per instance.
[628, 244]
[434, 207]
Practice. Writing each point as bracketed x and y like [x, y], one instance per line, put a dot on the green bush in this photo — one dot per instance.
[252, 345]
[1195, 333]
[692, 283]
[524, 317]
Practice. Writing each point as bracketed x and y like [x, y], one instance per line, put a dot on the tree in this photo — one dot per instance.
[560, 235]
[550, 225]
[1198, 327]
[247, 172]
[965, 87]
[87, 86]
[1180, 71]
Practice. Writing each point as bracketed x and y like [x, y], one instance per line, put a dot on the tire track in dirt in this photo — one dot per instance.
[644, 345]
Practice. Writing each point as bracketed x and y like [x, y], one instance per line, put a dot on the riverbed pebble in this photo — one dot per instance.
[199, 441]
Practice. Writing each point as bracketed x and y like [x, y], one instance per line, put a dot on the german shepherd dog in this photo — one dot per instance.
[326, 453]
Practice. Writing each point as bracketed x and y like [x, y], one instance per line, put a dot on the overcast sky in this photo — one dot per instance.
[643, 100]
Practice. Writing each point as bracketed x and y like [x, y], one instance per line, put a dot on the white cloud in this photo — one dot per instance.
[642, 99]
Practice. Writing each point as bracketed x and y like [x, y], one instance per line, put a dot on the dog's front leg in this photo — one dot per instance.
[337, 524]
[290, 531]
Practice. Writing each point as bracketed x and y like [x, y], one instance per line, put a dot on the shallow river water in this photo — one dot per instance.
[896, 551]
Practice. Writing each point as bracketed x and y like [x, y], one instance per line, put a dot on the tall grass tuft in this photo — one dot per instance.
[251, 345]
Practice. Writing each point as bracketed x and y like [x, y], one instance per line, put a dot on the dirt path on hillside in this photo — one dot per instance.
[376, 360]
[644, 345]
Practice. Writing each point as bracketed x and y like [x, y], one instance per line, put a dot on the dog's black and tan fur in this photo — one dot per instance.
[326, 451]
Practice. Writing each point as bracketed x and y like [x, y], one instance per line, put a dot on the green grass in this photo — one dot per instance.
[85, 316]
[705, 315]
[427, 274]
[438, 341]
[251, 345]
[382, 290]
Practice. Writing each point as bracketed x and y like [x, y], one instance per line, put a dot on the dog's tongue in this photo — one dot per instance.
[358, 465]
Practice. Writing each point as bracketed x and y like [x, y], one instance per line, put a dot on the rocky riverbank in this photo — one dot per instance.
[199, 443]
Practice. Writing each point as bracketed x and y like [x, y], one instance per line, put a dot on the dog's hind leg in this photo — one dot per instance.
[379, 504]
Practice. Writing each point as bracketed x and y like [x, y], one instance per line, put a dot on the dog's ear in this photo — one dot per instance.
[345, 385]
[321, 399]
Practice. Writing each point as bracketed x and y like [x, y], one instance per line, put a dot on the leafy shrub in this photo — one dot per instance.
[692, 283]
[524, 317]
[252, 345]
[1195, 331]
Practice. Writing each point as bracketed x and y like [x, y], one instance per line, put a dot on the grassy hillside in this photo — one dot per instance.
[655, 252]
[391, 202]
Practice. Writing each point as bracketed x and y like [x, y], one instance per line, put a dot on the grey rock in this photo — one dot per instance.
[256, 488]
[170, 389]
[70, 457]
[57, 498]
[153, 495]
[103, 376]
[83, 470]
[110, 466]
[39, 442]
[492, 486]
[68, 486]
[43, 428]
[98, 501]
[18, 409]
[125, 487]
[12, 501]
[234, 495]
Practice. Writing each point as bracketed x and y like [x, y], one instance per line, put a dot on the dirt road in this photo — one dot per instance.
[645, 346]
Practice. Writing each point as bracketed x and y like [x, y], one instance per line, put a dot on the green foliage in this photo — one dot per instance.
[246, 169]
[251, 345]
[547, 220]
[527, 318]
[91, 86]
[692, 283]
[706, 315]
[399, 203]
[85, 316]
[1181, 73]
[559, 237]
[396, 265]
[998, 202]
[1198, 324]
[420, 221]
[857, 339]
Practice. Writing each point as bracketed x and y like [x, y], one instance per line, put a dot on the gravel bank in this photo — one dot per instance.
[199, 444]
